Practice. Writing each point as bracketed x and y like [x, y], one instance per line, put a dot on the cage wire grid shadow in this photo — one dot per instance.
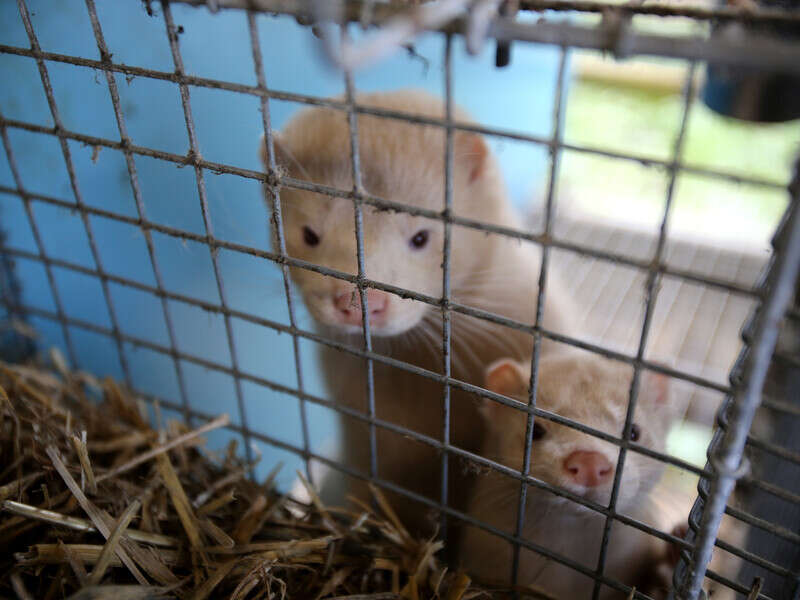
[743, 395]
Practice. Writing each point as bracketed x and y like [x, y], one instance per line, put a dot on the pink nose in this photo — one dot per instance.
[589, 469]
[348, 305]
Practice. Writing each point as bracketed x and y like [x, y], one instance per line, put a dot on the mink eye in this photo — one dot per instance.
[538, 431]
[309, 236]
[420, 239]
[635, 432]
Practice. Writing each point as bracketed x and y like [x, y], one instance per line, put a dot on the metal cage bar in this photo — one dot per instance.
[193, 156]
[729, 445]
[726, 449]
[558, 114]
[447, 214]
[747, 49]
[706, 13]
[358, 216]
[651, 292]
[273, 194]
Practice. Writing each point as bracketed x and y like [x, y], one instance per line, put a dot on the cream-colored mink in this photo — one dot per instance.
[593, 391]
[404, 162]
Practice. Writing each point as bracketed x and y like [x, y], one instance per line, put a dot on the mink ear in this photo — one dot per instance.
[472, 153]
[283, 157]
[506, 377]
[657, 386]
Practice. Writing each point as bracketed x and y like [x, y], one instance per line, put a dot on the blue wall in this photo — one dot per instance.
[228, 126]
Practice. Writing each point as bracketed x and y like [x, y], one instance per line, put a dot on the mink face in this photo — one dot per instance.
[401, 163]
[593, 391]
[399, 250]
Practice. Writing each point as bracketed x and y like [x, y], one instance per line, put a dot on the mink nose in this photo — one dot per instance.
[589, 469]
[348, 305]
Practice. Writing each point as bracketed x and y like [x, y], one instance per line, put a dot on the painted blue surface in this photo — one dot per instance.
[228, 126]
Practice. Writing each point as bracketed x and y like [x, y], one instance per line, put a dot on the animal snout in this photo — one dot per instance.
[589, 469]
[348, 305]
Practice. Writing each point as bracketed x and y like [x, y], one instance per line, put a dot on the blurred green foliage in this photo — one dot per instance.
[640, 122]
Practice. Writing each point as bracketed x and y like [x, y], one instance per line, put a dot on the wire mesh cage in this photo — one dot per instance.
[749, 47]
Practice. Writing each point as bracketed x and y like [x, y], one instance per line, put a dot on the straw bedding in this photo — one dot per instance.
[97, 503]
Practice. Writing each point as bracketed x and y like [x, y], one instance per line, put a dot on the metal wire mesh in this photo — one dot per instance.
[743, 394]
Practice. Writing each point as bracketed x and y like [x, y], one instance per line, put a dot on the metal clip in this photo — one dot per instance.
[616, 29]
[502, 57]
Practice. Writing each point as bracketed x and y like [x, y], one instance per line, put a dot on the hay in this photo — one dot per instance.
[97, 504]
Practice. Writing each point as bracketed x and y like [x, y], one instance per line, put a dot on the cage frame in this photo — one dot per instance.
[613, 34]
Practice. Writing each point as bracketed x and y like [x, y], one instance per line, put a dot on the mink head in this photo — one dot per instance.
[400, 162]
[593, 391]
